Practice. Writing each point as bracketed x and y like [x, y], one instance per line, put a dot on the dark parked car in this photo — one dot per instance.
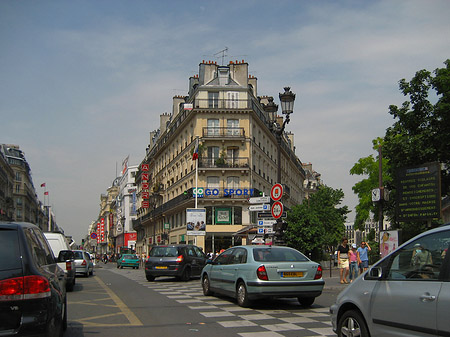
[180, 261]
[249, 272]
[32, 285]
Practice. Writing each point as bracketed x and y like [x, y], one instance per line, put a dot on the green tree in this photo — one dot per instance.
[421, 133]
[317, 223]
[368, 166]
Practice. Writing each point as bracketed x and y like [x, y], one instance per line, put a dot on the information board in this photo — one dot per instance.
[418, 192]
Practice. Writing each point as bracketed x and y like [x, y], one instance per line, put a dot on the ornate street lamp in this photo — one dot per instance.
[287, 107]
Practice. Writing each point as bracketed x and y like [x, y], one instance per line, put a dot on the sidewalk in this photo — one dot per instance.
[332, 282]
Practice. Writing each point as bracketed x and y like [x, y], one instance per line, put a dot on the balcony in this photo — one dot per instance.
[221, 163]
[214, 103]
[223, 132]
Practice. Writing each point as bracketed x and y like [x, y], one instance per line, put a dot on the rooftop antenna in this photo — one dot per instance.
[223, 52]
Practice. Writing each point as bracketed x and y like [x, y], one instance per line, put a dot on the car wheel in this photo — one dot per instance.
[306, 301]
[206, 286]
[150, 278]
[91, 272]
[242, 295]
[352, 324]
[186, 276]
[137, 267]
[121, 267]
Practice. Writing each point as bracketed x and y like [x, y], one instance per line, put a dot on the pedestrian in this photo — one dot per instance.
[343, 263]
[353, 258]
[363, 256]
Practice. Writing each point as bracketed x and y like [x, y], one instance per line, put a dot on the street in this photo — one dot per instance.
[121, 302]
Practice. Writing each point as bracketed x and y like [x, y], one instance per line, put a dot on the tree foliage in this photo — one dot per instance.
[420, 134]
[318, 222]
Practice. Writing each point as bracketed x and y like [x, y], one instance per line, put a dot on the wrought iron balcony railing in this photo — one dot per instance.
[223, 132]
[223, 162]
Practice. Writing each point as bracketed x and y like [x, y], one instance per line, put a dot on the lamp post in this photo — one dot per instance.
[287, 99]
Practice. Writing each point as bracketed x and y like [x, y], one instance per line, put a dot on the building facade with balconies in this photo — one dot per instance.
[237, 159]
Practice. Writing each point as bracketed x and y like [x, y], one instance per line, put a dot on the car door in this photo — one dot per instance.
[404, 302]
[201, 260]
[443, 304]
[237, 260]
[217, 270]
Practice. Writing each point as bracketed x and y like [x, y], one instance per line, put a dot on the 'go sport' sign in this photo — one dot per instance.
[201, 192]
[418, 192]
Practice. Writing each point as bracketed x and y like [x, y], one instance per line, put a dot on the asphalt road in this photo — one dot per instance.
[121, 302]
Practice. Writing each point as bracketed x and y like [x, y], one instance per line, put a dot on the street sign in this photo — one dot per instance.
[93, 235]
[277, 210]
[265, 215]
[266, 222]
[259, 200]
[262, 207]
[276, 192]
[261, 230]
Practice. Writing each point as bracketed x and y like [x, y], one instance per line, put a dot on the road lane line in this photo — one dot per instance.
[125, 310]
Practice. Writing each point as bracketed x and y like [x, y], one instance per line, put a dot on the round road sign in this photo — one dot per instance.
[277, 192]
[277, 209]
[94, 235]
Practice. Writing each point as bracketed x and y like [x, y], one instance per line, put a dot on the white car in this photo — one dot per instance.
[407, 293]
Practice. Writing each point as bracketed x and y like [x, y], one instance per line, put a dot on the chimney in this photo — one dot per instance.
[239, 72]
[163, 120]
[207, 72]
[177, 100]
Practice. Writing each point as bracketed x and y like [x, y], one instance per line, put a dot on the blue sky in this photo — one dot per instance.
[83, 82]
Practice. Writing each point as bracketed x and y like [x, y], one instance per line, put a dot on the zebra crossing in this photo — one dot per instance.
[261, 320]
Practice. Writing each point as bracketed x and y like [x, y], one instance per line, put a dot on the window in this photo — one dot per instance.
[233, 183]
[233, 99]
[213, 127]
[212, 182]
[18, 176]
[233, 127]
[213, 155]
[213, 99]
[239, 256]
[420, 260]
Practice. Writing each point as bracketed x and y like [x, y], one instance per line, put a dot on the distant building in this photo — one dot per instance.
[23, 193]
[237, 159]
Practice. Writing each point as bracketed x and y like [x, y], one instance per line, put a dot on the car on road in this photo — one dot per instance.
[32, 286]
[250, 272]
[83, 263]
[60, 247]
[404, 294]
[182, 261]
[128, 260]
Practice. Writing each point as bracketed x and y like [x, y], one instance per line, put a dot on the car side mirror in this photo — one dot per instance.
[374, 273]
[65, 255]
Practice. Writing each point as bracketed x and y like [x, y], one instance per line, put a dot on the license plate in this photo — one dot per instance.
[292, 274]
[161, 267]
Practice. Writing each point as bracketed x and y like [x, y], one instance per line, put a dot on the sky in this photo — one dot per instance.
[82, 83]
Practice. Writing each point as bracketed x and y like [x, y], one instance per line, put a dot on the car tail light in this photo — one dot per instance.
[83, 263]
[68, 266]
[180, 259]
[318, 273]
[262, 273]
[27, 287]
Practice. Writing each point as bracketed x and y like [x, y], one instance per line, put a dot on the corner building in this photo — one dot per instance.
[237, 159]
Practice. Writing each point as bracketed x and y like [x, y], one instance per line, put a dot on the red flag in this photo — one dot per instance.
[43, 185]
[46, 193]
[195, 155]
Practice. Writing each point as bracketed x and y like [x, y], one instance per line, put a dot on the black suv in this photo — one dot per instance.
[32, 285]
[180, 261]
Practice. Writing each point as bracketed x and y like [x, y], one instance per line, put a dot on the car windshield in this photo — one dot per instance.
[130, 257]
[164, 252]
[78, 255]
[278, 255]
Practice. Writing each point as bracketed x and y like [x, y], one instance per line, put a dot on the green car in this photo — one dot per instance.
[128, 260]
